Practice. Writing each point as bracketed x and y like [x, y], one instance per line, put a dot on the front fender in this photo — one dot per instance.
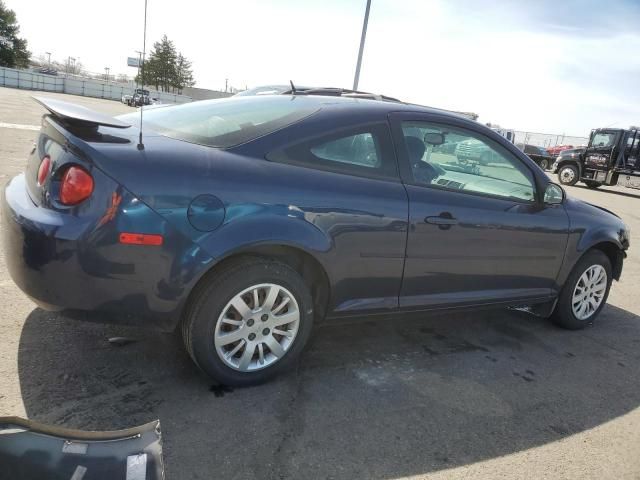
[590, 238]
[583, 240]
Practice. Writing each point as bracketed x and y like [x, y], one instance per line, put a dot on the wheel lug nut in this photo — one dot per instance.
[250, 322]
[265, 331]
[252, 336]
[265, 317]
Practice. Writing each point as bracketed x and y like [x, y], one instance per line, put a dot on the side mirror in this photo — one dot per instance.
[434, 139]
[554, 194]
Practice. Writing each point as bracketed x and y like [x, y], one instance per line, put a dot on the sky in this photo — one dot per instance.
[562, 66]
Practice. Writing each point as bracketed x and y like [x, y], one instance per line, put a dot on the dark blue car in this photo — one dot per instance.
[242, 221]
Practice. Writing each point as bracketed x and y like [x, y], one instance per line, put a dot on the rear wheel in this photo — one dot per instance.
[585, 292]
[544, 164]
[568, 175]
[249, 321]
[593, 185]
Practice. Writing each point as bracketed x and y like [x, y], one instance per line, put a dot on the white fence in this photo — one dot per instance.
[549, 139]
[24, 79]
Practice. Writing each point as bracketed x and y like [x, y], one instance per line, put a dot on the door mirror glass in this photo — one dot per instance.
[434, 139]
[554, 194]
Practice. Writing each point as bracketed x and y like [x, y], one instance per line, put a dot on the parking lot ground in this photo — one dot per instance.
[487, 394]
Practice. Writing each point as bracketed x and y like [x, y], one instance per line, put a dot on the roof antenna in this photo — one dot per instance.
[293, 87]
[144, 51]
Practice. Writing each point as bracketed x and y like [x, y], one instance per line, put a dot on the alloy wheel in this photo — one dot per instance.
[257, 327]
[589, 292]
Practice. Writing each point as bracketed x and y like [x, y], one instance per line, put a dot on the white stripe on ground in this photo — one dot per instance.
[19, 126]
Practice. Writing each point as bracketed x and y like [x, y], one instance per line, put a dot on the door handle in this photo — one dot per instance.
[445, 220]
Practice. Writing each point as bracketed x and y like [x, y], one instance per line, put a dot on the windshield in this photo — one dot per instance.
[602, 139]
[228, 122]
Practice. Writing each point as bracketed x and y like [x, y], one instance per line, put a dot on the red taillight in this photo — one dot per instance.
[140, 239]
[45, 168]
[76, 186]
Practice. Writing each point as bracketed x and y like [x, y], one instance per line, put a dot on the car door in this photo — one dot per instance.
[476, 231]
[347, 185]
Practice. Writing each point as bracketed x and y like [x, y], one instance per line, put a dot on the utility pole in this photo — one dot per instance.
[106, 73]
[226, 84]
[49, 60]
[139, 65]
[69, 60]
[362, 38]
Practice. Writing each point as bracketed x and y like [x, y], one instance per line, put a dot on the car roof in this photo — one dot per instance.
[360, 102]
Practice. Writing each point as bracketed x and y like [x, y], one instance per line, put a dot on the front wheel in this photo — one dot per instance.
[568, 175]
[249, 321]
[585, 292]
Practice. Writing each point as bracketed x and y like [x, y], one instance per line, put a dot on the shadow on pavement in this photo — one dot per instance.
[376, 399]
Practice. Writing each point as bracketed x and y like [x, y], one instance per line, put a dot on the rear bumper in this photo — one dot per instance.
[73, 263]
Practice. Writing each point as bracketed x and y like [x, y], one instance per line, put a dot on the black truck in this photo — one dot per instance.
[611, 157]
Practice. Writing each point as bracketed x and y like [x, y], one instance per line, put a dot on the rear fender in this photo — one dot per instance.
[268, 229]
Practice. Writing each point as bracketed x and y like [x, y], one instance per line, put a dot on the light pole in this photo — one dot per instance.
[69, 60]
[362, 38]
[49, 59]
[106, 73]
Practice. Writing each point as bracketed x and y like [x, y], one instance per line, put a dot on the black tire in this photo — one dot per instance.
[568, 179]
[211, 297]
[544, 164]
[563, 315]
[592, 185]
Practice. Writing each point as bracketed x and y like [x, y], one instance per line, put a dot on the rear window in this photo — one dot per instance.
[228, 122]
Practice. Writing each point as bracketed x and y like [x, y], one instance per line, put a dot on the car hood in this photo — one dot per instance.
[573, 151]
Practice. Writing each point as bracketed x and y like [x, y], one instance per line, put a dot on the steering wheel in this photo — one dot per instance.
[427, 172]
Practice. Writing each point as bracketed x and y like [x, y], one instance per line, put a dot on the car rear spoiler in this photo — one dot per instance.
[77, 115]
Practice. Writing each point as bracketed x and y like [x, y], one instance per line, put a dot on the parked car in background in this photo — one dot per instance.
[472, 150]
[242, 221]
[140, 97]
[538, 155]
[555, 150]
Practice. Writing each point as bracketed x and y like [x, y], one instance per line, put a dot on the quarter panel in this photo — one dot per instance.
[355, 227]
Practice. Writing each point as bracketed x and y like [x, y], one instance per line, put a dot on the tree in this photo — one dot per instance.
[184, 74]
[13, 49]
[166, 69]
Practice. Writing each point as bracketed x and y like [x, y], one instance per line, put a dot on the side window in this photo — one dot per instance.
[363, 151]
[457, 159]
[359, 149]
